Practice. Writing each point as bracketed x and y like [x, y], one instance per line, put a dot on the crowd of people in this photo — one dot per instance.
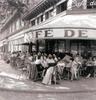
[51, 68]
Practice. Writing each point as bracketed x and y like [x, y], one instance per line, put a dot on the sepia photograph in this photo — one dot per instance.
[47, 49]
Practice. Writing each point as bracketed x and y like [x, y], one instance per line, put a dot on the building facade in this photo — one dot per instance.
[9, 33]
[12, 28]
[64, 25]
[56, 26]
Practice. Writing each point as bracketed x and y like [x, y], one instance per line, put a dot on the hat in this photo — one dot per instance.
[50, 56]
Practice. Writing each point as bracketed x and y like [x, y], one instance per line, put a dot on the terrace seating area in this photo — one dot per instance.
[51, 68]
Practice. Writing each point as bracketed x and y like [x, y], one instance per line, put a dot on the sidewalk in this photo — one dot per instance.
[9, 81]
[82, 86]
[7, 70]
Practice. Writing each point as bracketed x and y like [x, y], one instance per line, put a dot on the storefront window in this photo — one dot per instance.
[82, 47]
[74, 45]
[61, 46]
[93, 47]
[41, 45]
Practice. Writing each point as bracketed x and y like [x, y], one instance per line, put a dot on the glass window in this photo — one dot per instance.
[38, 20]
[93, 47]
[46, 15]
[61, 46]
[41, 18]
[74, 46]
[33, 22]
[62, 7]
[41, 45]
[51, 13]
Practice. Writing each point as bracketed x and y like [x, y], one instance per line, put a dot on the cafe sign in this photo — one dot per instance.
[65, 33]
[91, 3]
[78, 4]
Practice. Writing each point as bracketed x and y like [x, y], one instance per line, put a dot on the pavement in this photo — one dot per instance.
[10, 79]
[11, 85]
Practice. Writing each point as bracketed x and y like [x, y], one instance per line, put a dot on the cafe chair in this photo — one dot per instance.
[23, 72]
[79, 71]
[56, 75]
[38, 73]
[68, 73]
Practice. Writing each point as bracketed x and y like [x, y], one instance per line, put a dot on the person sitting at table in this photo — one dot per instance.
[47, 79]
[38, 65]
[94, 64]
[60, 66]
[74, 68]
[55, 58]
[67, 68]
[44, 63]
[89, 69]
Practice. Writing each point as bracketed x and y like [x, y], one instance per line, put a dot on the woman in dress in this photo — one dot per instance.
[48, 75]
[44, 65]
[74, 68]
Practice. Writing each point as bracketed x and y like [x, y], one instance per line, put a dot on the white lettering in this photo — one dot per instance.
[78, 4]
[93, 3]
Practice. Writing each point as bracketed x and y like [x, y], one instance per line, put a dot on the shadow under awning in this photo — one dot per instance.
[28, 43]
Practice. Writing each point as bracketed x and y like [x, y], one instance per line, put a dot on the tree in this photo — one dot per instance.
[17, 4]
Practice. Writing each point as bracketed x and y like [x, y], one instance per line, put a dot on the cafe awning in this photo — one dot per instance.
[75, 26]
[73, 21]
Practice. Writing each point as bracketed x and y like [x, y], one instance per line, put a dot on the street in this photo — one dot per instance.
[12, 88]
[5, 95]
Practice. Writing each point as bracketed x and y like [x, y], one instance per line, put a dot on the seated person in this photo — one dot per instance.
[38, 63]
[67, 68]
[44, 63]
[90, 67]
[74, 68]
[48, 75]
[39, 67]
[94, 66]
[60, 66]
